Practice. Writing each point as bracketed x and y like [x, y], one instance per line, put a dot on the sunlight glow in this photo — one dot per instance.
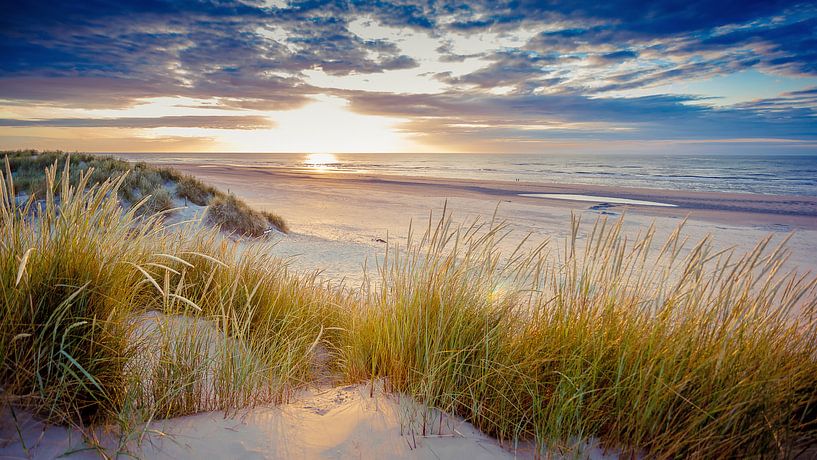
[326, 125]
[320, 161]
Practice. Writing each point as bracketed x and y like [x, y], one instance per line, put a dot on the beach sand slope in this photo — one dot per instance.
[341, 422]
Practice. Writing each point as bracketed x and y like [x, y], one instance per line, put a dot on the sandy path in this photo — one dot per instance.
[325, 421]
[342, 422]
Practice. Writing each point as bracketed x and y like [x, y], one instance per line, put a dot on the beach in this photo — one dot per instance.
[339, 220]
[342, 294]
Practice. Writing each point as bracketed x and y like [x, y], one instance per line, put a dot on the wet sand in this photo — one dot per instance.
[796, 212]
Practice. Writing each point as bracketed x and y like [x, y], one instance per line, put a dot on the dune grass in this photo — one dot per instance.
[628, 342]
[109, 317]
[234, 216]
[670, 350]
[161, 186]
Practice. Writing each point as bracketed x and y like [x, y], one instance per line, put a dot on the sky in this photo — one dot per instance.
[665, 76]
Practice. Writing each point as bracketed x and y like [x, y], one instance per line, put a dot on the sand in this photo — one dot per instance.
[339, 220]
[322, 421]
[342, 422]
[743, 208]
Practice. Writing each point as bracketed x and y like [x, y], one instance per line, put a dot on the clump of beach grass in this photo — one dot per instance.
[234, 216]
[111, 318]
[160, 185]
[190, 188]
[666, 350]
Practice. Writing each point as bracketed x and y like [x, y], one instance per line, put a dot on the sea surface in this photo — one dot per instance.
[772, 174]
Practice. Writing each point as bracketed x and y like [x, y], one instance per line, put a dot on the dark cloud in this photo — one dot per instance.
[660, 17]
[574, 116]
[618, 56]
[230, 90]
[225, 49]
[90, 92]
[523, 109]
[186, 121]
[668, 41]
[793, 105]
[792, 46]
[510, 68]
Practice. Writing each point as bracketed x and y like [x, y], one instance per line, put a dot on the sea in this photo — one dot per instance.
[758, 174]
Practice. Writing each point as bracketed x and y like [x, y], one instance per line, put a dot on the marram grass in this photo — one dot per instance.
[158, 186]
[109, 317]
[668, 350]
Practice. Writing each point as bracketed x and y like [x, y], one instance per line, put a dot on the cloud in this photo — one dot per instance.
[89, 92]
[617, 56]
[190, 121]
[109, 143]
[114, 53]
[793, 105]
[522, 108]
[790, 46]
[660, 17]
[626, 51]
[564, 69]
[512, 68]
[521, 121]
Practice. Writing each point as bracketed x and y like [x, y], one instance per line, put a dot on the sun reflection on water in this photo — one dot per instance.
[320, 161]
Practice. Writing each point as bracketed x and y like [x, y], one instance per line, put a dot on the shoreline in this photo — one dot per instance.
[339, 220]
[747, 209]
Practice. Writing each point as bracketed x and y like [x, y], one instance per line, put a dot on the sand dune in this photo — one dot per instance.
[342, 422]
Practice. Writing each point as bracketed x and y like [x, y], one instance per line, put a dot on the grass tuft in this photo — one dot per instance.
[709, 353]
[190, 188]
[109, 317]
[159, 186]
[234, 216]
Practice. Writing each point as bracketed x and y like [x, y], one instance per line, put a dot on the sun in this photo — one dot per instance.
[325, 125]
